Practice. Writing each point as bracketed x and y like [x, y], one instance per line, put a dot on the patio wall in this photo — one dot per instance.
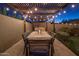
[47, 26]
[59, 26]
[11, 30]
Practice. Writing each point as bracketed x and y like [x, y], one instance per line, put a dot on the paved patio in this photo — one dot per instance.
[62, 50]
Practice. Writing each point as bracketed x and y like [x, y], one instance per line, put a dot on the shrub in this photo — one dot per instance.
[63, 36]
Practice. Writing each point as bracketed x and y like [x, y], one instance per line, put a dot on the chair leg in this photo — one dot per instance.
[24, 51]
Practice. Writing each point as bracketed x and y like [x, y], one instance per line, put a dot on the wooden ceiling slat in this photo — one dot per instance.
[24, 7]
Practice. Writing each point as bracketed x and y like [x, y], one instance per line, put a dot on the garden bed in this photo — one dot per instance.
[72, 42]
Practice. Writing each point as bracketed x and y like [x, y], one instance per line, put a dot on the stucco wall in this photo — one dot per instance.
[11, 30]
[59, 26]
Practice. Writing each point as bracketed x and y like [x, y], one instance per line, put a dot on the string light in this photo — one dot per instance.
[36, 9]
[7, 9]
[14, 12]
[64, 11]
[73, 6]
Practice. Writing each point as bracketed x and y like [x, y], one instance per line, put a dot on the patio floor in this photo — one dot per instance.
[62, 50]
[59, 48]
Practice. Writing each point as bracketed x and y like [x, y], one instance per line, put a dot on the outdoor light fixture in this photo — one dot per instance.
[36, 9]
[14, 12]
[73, 6]
[7, 9]
[64, 11]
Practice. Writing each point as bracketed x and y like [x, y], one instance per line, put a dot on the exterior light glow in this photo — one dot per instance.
[36, 9]
[64, 11]
[73, 6]
[7, 9]
[15, 12]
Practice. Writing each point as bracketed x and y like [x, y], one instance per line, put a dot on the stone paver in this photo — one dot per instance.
[60, 49]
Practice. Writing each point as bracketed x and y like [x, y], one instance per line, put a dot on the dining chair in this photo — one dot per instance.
[39, 48]
[24, 35]
[52, 42]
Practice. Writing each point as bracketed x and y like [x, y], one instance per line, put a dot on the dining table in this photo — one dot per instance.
[40, 37]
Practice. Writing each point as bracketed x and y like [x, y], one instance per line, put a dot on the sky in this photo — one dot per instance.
[71, 13]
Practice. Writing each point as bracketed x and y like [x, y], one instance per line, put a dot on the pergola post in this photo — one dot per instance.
[25, 16]
[24, 25]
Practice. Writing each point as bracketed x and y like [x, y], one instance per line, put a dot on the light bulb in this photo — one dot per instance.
[36, 9]
[73, 6]
[15, 12]
[64, 11]
[7, 9]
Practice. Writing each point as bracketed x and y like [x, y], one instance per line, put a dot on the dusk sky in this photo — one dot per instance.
[71, 13]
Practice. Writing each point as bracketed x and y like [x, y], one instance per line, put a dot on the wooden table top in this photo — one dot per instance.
[39, 36]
